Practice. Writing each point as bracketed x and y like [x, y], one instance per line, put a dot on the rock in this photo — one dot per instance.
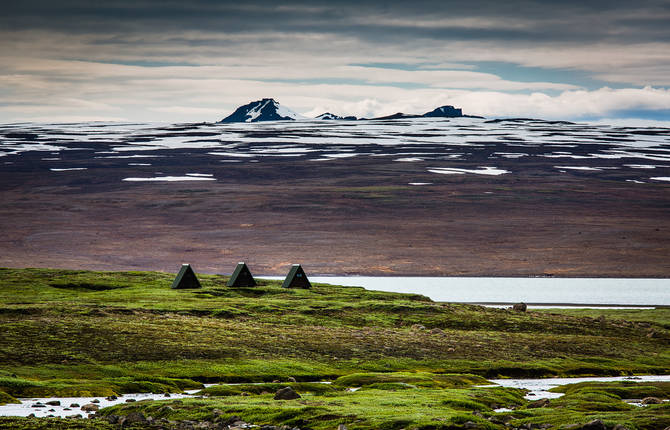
[286, 393]
[594, 425]
[130, 400]
[67, 409]
[110, 398]
[470, 425]
[541, 403]
[90, 407]
[167, 409]
[112, 419]
[53, 403]
[38, 405]
[437, 331]
[75, 417]
[215, 412]
[520, 307]
[291, 379]
[276, 381]
[647, 401]
[244, 394]
[95, 401]
[134, 418]
[52, 410]
[342, 427]
[231, 420]
[619, 427]
[418, 327]
[166, 395]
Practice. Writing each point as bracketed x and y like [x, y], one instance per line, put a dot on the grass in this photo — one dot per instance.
[100, 333]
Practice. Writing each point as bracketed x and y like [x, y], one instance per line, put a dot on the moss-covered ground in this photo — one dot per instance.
[100, 333]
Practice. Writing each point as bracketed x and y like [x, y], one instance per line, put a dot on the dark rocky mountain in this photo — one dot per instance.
[261, 110]
[270, 110]
[398, 115]
[330, 116]
[447, 111]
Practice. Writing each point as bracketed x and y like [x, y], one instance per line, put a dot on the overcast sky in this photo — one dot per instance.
[179, 61]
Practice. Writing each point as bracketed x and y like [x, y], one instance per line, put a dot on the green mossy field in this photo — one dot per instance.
[418, 363]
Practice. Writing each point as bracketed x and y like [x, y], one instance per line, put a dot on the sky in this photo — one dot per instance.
[191, 61]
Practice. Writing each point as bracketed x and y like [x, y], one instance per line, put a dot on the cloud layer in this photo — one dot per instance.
[192, 61]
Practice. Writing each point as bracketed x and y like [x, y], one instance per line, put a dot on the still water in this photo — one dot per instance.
[539, 291]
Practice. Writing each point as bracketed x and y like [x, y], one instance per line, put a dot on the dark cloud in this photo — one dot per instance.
[379, 22]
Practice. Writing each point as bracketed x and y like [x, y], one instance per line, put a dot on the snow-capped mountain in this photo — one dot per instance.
[330, 116]
[262, 110]
[270, 110]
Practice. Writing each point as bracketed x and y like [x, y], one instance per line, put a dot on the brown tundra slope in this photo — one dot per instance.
[341, 198]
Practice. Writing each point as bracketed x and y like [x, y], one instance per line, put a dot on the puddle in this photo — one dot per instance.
[539, 388]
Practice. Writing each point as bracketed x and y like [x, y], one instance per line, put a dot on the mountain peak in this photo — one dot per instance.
[331, 116]
[266, 109]
[447, 111]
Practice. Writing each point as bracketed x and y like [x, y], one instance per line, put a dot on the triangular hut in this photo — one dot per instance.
[296, 278]
[186, 278]
[241, 277]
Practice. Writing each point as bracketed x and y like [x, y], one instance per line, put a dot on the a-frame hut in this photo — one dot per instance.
[241, 277]
[296, 278]
[186, 278]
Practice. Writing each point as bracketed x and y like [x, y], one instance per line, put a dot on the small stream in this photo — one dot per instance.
[538, 388]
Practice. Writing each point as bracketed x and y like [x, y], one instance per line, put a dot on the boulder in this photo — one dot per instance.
[112, 419]
[53, 403]
[90, 407]
[286, 393]
[520, 307]
[541, 403]
[74, 405]
[95, 401]
[291, 379]
[647, 401]
[594, 425]
[134, 418]
[38, 405]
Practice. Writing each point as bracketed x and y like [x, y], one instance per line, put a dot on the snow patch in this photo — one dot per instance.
[169, 179]
[585, 168]
[489, 171]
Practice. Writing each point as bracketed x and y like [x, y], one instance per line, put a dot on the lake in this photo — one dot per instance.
[537, 291]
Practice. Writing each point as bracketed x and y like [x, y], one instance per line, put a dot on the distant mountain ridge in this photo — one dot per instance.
[269, 109]
[329, 116]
